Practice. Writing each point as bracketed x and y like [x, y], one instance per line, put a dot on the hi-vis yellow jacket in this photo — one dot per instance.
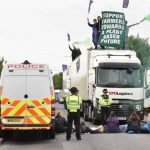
[73, 103]
[105, 102]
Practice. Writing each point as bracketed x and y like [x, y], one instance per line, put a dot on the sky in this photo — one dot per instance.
[36, 30]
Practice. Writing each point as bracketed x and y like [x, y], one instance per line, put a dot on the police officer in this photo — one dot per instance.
[73, 103]
[105, 102]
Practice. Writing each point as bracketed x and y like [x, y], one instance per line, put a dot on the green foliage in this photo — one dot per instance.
[57, 79]
[142, 48]
[2, 61]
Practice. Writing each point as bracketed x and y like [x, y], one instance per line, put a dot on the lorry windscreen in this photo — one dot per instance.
[118, 77]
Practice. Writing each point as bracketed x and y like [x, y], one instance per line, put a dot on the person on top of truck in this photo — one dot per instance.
[105, 102]
[127, 27]
[75, 52]
[98, 26]
[95, 31]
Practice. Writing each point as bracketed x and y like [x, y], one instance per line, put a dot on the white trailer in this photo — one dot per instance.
[119, 71]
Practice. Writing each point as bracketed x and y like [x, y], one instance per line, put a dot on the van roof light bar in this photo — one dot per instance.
[26, 62]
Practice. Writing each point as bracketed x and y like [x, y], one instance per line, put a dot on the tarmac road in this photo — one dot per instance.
[34, 141]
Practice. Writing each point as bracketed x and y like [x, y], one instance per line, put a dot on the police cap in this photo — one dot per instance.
[105, 91]
[73, 90]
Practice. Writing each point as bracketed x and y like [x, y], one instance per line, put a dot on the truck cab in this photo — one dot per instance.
[118, 71]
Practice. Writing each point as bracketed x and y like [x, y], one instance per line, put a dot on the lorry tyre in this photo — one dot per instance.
[94, 121]
[85, 114]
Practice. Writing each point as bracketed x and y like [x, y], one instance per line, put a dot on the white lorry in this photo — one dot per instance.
[119, 71]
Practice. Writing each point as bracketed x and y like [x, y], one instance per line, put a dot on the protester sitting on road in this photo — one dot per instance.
[134, 123]
[146, 127]
[86, 129]
[112, 124]
[60, 123]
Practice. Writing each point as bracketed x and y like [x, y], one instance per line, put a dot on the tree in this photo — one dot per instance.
[142, 48]
[57, 79]
[2, 61]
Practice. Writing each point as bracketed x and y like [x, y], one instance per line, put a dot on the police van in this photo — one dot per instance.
[27, 99]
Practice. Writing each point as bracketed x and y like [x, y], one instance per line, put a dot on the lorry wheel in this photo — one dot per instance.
[85, 117]
[94, 121]
[85, 114]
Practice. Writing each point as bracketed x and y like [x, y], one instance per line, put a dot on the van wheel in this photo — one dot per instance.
[52, 133]
[45, 135]
[49, 134]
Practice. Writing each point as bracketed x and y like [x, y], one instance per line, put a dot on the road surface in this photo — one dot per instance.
[121, 141]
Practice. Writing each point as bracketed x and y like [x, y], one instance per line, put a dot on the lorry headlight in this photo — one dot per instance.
[138, 107]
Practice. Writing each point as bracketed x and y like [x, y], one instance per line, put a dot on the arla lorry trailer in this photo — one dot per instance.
[27, 99]
[119, 71]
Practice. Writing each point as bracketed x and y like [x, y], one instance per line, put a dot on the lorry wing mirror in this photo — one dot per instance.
[129, 71]
[94, 86]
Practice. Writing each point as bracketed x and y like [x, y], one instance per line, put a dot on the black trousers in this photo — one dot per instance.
[105, 113]
[73, 116]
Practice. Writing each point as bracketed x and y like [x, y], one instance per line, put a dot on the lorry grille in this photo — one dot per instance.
[122, 109]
